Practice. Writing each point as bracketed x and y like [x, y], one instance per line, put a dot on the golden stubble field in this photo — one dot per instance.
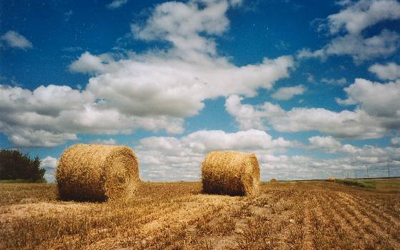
[285, 215]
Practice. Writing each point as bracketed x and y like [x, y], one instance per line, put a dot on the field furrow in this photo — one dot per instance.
[318, 222]
[308, 236]
[344, 221]
[385, 212]
[361, 239]
[377, 218]
[367, 225]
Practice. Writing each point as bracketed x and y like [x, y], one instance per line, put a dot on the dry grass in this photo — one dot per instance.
[97, 172]
[285, 215]
[232, 173]
[23, 193]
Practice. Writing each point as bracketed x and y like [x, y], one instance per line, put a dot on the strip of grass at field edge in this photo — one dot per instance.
[381, 184]
[357, 183]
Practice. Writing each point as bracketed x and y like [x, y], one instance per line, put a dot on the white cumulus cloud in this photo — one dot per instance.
[109, 141]
[154, 90]
[16, 40]
[377, 99]
[362, 14]
[331, 145]
[50, 165]
[115, 4]
[347, 26]
[395, 141]
[377, 112]
[49, 116]
[340, 82]
[287, 93]
[345, 124]
[249, 116]
[390, 71]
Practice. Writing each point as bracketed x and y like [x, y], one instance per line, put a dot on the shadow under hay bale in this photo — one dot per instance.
[91, 172]
[232, 173]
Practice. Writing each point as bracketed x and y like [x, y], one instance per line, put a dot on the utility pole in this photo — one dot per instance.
[388, 167]
[367, 172]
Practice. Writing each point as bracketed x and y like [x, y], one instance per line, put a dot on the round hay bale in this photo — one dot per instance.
[232, 173]
[273, 180]
[94, 172]
[331, 179]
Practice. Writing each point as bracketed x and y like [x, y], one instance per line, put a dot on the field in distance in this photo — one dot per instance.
[285, 215]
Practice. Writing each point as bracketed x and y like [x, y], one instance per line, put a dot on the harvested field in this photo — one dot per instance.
[285, 215]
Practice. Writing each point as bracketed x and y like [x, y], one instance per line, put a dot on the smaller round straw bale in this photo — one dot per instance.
[97, 172]
[273, 180]
[331, 179]
[232, 173]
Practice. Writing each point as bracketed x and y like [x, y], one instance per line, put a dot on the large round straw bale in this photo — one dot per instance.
[97, 172]
[331, 179]
[232, 173]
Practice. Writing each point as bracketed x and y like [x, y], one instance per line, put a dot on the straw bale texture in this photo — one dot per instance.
[331, 179]
[232, 173]
[97, 172]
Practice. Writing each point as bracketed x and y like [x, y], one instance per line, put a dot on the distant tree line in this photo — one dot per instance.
[15, 165]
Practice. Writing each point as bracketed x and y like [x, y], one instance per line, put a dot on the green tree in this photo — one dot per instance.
[16, 165]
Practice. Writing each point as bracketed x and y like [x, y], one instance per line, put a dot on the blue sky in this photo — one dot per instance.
[312, 87]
